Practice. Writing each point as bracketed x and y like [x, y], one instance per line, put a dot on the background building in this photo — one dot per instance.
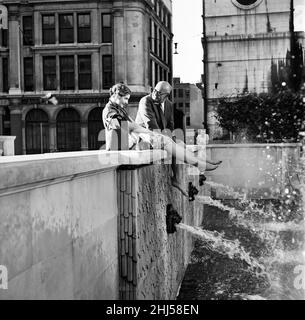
[77, 50]
[242, 40]
[188, 99]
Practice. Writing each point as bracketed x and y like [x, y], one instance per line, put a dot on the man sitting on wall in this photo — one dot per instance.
[156, 113]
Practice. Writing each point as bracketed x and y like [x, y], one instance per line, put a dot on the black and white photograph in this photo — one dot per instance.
[152, 153]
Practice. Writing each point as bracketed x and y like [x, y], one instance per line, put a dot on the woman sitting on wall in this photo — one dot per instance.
[119, 127]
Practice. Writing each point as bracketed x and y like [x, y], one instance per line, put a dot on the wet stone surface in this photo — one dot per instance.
[215, 275]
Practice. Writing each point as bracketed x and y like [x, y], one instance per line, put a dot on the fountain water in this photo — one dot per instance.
[215, 241]
[279, 224]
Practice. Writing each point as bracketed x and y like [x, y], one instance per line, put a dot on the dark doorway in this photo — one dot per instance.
[95, 125]
[68, 130]
[37, 132]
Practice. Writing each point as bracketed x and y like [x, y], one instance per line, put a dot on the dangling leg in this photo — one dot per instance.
[182, 154]
[216, 163]
[175, 182]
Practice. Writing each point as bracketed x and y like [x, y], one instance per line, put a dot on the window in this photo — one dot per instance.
[37, 132]
[66, 67]
[6, 121]
[151, 73]
[84, 72]
[95, 125]
[165, 75]
[169, 52]
[150, 34]
[187, 93]
[106, 28]
[28, 74]
[187, 107]
[155, 39]
[107, 72]
[3, 37]
[188, 121]
[49, 73]
[161, 74]
[160, 44]
[175, 93]
[164, 16]
[180, 93]
[48, 29]
[169, 22]
[156, 73]
[83, 28]
[27, 30]
[164, 48]
[180, 105]
[68, 130]
[66, 32]
[5, 74]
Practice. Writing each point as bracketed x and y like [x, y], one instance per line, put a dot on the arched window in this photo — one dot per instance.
[37, 132]
[95, 125]
[68, 130]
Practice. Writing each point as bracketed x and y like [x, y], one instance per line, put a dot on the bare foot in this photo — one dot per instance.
[177, 185]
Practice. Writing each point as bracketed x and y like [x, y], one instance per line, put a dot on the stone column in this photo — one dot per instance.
[16, 124]
[84, 135]
[95, 19]
[137, 49]
[96, 76]
[52, 136]
[14, 54]
[119, 46]
[23, 131]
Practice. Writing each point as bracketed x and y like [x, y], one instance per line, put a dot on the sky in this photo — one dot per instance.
[187, 29]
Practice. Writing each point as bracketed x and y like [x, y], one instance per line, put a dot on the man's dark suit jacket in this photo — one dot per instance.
[150, 117]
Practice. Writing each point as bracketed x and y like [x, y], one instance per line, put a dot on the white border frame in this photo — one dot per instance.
[244, 7]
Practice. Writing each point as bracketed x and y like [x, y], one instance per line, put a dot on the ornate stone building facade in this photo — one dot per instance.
[188, 99]
[76, 50]
[242, 38]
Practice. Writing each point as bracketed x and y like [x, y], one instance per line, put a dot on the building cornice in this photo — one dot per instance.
[252, 37]
[63, 48]
[64, 99]
[248, 14]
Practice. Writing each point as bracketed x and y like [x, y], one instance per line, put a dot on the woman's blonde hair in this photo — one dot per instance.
[121, 89]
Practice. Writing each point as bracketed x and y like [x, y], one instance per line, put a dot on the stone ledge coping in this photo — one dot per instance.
[7, 138]
[17, 171]
[255, 145]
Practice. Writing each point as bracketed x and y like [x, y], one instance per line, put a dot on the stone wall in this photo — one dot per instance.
[152, 262]
[73, 226]
[58, 227]
[259, 170]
